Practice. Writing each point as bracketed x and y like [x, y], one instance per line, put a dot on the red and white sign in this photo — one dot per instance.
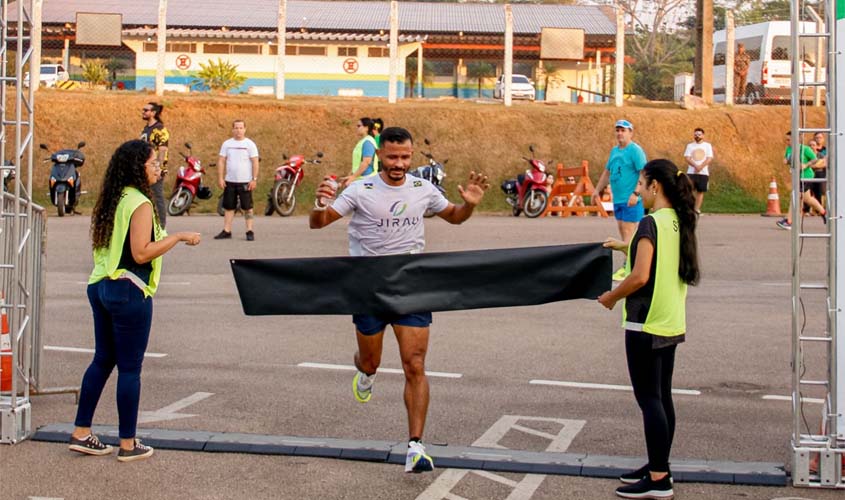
[183, 61]
[350, 65]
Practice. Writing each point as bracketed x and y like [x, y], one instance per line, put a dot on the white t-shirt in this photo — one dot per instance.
[698, 152]
[239, 156]
[386, 219]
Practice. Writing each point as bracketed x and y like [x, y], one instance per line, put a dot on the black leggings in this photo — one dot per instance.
[651, 375]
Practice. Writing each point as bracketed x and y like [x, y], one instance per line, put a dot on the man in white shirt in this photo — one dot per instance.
[699, 155]
[387, 218]
[237, 175]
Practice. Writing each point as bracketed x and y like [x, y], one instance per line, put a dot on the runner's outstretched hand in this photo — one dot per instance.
[474, 191]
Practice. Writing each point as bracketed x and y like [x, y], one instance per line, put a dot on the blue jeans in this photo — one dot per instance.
[122, 320]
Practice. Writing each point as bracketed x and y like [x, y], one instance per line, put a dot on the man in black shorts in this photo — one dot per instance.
[237, 175]
[699, 156]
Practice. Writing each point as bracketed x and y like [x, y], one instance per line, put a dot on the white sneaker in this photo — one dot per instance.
[417, 460]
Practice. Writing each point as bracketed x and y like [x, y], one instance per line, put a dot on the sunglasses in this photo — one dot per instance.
[146, 109]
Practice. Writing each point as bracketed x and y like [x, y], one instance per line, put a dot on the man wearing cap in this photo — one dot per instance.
[622, 170]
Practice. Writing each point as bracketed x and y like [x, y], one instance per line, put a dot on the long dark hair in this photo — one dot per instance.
[678, 189]
[370, 124]
[157, 109]
[126, 168]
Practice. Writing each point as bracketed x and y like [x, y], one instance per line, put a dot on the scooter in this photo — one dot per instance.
[529, 192]
[65, 182]
[282, 197]
[188, 184]
[433, 173]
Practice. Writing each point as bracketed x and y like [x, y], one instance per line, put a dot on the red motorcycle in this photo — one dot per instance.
[188, 185]
[282, 197]
[529, 192]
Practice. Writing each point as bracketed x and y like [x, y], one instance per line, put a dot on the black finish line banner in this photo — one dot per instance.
[403, 284]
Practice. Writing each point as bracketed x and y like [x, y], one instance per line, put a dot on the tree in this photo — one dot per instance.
[94, 72]
[658, 48]
[114, 65]
[478, 70]
[411, 72]
[220, 76]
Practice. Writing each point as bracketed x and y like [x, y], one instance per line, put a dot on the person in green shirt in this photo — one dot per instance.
[662, 261]
[128, 243]
[364, 158]
[808, 163]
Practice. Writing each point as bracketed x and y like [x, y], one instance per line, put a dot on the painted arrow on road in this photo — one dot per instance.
[169, 412]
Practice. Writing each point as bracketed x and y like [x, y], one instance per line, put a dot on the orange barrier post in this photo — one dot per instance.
[570, 187]
[6, 348]
[773, 202]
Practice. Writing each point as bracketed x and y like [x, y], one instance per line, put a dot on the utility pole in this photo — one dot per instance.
[704, 49]
[281, 26]
[161, 39]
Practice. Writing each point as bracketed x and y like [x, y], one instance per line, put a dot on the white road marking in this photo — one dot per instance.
[91, 351]
[441, 488]
[169, 412]
[772, 397]
[607, 387]
[328, 366]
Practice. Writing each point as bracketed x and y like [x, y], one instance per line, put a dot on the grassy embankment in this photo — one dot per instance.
[748, 141]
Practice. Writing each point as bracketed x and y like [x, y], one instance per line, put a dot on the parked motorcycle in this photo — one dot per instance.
[433, 173]
[188, 186]
[529, 192]
[282, 197]
[65, 182]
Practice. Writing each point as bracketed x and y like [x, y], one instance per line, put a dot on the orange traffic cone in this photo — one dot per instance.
[5, 348]
[773, 203]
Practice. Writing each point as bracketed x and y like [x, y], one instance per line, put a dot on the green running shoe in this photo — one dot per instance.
[620, 274]
[362, 386]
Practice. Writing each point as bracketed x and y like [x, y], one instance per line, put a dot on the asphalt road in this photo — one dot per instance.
[737, 351]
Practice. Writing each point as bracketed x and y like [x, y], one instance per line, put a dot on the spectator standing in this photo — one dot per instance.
[157, 135]
[237, 175]
[364, 158]
[128, 246]
[699, 156]
[742, 61]
[662, 261]
[622, 171]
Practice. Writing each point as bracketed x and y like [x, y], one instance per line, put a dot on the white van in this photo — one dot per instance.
[769, 75]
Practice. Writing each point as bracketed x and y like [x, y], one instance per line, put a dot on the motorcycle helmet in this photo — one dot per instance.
[204, 193]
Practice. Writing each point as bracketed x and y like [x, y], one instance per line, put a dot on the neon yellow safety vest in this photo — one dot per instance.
[358, 157]
[667, 313]
[107, 260]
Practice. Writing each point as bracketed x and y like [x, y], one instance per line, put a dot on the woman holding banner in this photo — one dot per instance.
[128, 243]
[662, 261]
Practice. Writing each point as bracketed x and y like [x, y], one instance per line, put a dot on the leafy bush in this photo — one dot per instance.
[94, 72]
[220, 76]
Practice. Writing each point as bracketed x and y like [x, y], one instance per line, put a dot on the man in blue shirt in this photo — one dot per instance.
[622, 170]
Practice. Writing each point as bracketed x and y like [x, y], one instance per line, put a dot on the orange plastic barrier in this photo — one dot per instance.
[568, 191]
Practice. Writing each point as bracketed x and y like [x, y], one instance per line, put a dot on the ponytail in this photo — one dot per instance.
[677, 187]
[157, 109]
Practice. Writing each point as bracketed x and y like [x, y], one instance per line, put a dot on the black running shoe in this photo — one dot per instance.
[138, 452]
[636, 475]
[250, 236]
[646, 488]
[89, 446]
[223, 235]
